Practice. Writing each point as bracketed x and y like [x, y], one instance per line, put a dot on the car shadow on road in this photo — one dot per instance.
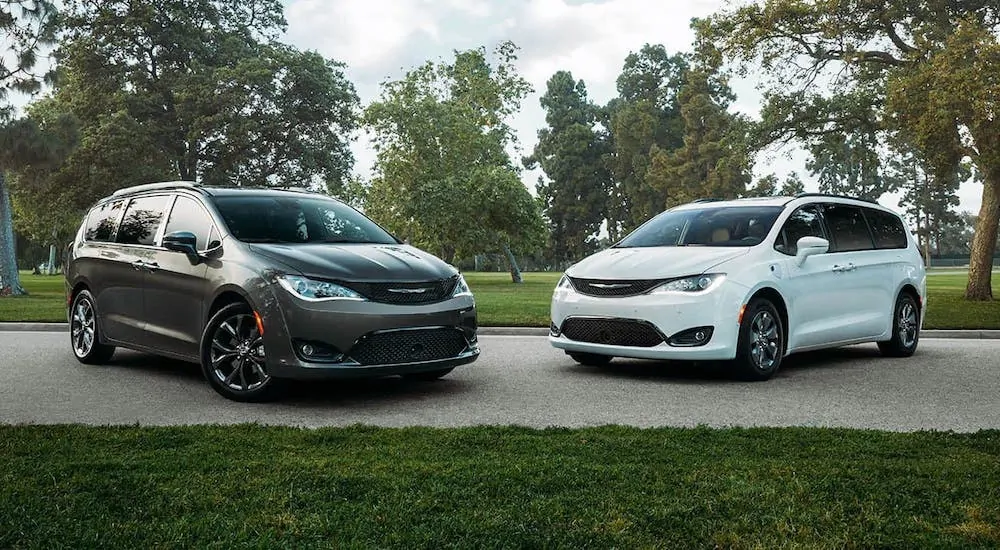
[305, 394]
[700, 372]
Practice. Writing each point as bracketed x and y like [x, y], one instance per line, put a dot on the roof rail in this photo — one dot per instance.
[158, 186]
[835, 196]
[705, 200]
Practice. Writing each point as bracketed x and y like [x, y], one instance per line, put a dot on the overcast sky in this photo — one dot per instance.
[380, 39]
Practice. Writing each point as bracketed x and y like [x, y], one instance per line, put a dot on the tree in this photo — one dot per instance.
[210, 89]
[571, 152]
[714, 158]
[25, 27]
[443, 176]
[926, 69]
[851, 165]
[645, 115]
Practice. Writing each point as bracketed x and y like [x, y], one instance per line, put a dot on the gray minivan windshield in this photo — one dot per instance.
[282, 219]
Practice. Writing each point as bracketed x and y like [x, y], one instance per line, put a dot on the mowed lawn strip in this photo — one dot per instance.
[502, 303]
[495, 487]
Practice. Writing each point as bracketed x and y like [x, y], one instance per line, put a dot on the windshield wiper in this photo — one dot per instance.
[264, 240]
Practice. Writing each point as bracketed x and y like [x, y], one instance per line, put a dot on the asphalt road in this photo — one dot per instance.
[947, 385]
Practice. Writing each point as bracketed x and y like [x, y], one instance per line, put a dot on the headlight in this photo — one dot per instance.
[698, 283]
[564, 284]
[316, 291]
[461, 288]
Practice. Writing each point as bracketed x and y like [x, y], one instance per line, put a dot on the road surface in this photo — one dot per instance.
[948, 385]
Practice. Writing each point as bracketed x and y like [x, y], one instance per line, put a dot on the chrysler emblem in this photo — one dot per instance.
[609, 286]
[409, 290]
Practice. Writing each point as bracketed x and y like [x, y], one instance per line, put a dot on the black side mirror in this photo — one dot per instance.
[181, 241]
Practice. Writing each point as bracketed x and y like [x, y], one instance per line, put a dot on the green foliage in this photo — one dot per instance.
[714, 160]
[645, 115]
[571, 151]
[26, 26]
[443, 176]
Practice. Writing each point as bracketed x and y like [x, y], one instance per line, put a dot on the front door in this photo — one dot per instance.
[177, 286]
[817, 291]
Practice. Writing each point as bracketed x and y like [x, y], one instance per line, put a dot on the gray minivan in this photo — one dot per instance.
[260, 286]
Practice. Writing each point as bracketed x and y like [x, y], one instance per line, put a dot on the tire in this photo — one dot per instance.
[85, 331]
[591, 359]
[905, 328]
[761, 346]
[233, 358]
[428, 376]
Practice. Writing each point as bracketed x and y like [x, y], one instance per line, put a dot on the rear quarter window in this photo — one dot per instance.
[103, 221]
[887, 229]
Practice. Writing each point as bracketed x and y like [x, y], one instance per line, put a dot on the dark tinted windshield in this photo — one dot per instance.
[282, 219]
[709, 226]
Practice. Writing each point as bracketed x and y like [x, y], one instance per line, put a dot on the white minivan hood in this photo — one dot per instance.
[659, 262]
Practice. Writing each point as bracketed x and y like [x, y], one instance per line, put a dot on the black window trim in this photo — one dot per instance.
[822, 225]
[832, 238]
[211, 218]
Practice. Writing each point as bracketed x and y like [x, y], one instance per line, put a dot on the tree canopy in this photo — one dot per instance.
[444, 178]
[925, 70]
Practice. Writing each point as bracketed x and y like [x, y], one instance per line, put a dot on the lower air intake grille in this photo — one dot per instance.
[614, 332]
[408, 346]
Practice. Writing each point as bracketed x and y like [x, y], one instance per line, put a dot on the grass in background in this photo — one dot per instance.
[502, 303]
[46, 301]
[947, 307]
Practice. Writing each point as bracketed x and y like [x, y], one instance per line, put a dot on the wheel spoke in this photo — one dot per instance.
[237, 365]
[216, 345]
[225, 356]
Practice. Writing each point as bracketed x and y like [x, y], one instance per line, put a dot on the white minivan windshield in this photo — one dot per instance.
[708, 226]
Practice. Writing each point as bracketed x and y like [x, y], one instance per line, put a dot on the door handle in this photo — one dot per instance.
[846, 267]
[152, 266]
[138, 264]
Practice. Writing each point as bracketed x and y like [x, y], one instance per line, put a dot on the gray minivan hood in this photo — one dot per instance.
[359, 262]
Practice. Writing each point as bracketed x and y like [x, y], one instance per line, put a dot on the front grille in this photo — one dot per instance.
[408, 346]
[615, 288]
[406, 293]
[614, 332]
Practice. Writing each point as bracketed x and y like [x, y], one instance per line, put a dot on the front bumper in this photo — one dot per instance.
[662, 324]
[366, 339]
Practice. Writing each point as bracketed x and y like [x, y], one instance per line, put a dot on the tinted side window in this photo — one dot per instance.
[848, 228]
[804, 222]
[188, 215]
[103, 220]
[887, 229]
[142, 219]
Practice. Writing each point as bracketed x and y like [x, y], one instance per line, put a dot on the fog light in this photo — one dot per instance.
[554, 330]
[697, 336]
[308, 350]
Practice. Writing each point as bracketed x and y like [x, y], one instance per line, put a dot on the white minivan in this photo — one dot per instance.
[747, 280]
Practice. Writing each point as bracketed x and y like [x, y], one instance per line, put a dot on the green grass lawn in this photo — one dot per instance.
[495, 487]
[502, 303]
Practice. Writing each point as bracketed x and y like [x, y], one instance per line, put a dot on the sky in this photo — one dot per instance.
[382, 39]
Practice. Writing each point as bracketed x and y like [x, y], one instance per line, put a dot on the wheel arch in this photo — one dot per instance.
[774, 296]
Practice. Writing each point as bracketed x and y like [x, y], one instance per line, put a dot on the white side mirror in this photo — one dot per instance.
[808, 246]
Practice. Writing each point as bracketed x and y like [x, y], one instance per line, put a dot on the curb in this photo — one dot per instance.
[973, 334]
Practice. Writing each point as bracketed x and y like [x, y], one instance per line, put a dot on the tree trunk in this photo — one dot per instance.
[984, 241]
[515, 272]
[927, 238]
[10, 281]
